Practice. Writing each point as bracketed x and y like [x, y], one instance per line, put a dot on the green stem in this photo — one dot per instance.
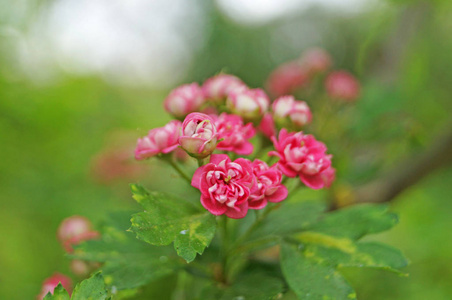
[223, 224]
[176, 168]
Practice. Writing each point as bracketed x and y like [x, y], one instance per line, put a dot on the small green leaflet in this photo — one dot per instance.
[167, 219]
[311, 280]
[92, 288]
[127, 262]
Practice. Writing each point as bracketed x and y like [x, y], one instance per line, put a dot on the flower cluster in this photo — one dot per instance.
[224, 118]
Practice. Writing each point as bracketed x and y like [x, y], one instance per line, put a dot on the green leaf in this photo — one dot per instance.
[59, 293]
[343, 252]
[167, 219]
[290, 218]
[311, 280]
[92, 288]
[356, 221]
[127, 262]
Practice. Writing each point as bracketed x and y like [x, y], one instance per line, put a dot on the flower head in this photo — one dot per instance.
[302, 155]
[233, 134]
[267, 125]
[287, 108]
[217, 88]
[52, 282]
[159, 140]
[199, 135]
[287, 78]
[268, 185]
[225, 185]
[342, 85]
[316, 60]
[74, 230]
[251, 104]
[184, 99]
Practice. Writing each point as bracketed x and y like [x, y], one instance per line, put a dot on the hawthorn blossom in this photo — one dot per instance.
[52, 282]
[286, 107]
[303, 156]
[217, 88]
[250, 104]
[316, 60]
[234, 135]
[268, 183]
[225, 185]
[184, 99]
[199, 135]
[342, 85]
[267, 125]
[159, 140]
[287, 78]
[74, 230]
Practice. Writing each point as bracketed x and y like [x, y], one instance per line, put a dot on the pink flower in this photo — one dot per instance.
[287, 78]
[286, 107]
[267, 125]
[159, 140]
[250, 104]
[199, 135]
[217, 88]
[234, 135]
[302, 155]
[328, 176]
[52, 282]
[316, 60]
[342, 85]
[269, 187]
[74, 230]
[225, 186]
[184, 99]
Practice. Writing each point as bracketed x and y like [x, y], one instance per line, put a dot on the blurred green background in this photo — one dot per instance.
[82, 78]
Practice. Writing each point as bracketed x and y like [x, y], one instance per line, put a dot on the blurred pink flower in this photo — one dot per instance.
[233, 134]
[218, 87]
[287, 78]
[267, 125]
[342, 85]
[159, 140]
[184, 99]
[250, 104]
[52, 282]
[268, 183]
[199, 135]
[74, 230]
[286, 107]
[302, 155]
[316, 60]
[225, 185]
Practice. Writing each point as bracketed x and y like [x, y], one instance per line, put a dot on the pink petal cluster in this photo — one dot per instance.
[302, 155]
[267, 125]
[342, 85]
[225, 185]
[199, 135]
[250, 104]
[184, 99]
[74, 230]
[268, 185]
[287, 78]
[159, 140]
[316, 60]
[218, 88]
[298, 112]
[52, 282]
[233, 134]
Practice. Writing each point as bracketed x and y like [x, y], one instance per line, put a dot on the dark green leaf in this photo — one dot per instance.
[311, 280]
[92, 288]
[58, 294]
[167, 219]
[356, 221]
[254, 286]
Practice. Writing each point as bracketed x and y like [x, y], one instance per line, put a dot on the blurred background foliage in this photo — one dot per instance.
[76, 87]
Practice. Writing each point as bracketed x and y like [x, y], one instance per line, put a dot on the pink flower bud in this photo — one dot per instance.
[225, 185]
[52, 282]
[342, 85]
[74, 230]
[267, 126]
[286, 107]
[80, 267]
[233, 135]
[250, 104]
[316, 60]
[199, 135]
[217, 88]
[287, 78]
[302, 155]
[184, 100]
[159, 140]
[268, 186]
